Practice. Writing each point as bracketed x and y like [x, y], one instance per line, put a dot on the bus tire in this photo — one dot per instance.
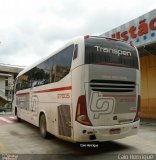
[18, 118]
[43, 126]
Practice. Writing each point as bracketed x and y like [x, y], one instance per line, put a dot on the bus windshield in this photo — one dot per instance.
[110, 52]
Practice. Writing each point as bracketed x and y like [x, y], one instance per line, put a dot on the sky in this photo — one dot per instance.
[33, 29]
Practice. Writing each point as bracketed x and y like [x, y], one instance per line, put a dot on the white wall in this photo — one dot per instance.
[2, 84]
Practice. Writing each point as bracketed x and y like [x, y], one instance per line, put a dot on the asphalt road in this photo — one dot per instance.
[24, 140]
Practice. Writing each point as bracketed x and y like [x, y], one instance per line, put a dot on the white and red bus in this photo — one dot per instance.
[88, 90]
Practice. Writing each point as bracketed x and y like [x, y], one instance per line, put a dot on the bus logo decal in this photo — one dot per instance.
[101, 106]
[34, 105]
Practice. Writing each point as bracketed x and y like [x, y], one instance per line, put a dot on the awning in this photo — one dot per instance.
[5, 75]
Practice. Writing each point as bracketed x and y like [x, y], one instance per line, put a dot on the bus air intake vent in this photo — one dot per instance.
[112, 86]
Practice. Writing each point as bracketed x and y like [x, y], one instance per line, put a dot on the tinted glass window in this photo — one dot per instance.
[62, 63]
[23, 82]
[40, 74]
[51, 70]
[110, 52]
[18, 85]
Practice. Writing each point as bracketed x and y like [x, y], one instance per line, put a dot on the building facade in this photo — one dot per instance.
[7, 77]
[142, 33]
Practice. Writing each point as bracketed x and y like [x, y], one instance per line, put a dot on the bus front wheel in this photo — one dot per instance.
[43, 126]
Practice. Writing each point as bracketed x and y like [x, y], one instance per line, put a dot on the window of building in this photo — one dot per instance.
[6, 82]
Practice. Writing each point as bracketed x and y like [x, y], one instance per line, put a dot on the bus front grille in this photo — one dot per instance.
[112, 86]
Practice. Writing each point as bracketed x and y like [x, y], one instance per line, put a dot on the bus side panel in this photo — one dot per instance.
[64, 120]
[53, 99]
[22, 103]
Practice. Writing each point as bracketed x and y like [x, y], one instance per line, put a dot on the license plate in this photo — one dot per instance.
[115, 131]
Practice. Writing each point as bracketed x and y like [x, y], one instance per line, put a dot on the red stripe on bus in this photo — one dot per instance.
[54, 89]
[47, 90]
[22, 94]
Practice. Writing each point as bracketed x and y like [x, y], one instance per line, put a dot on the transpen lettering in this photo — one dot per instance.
[113, 51]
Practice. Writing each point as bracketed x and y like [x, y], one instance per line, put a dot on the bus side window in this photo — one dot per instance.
[17, 85]
[51, 69]
[62, 63]
[75, 51]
